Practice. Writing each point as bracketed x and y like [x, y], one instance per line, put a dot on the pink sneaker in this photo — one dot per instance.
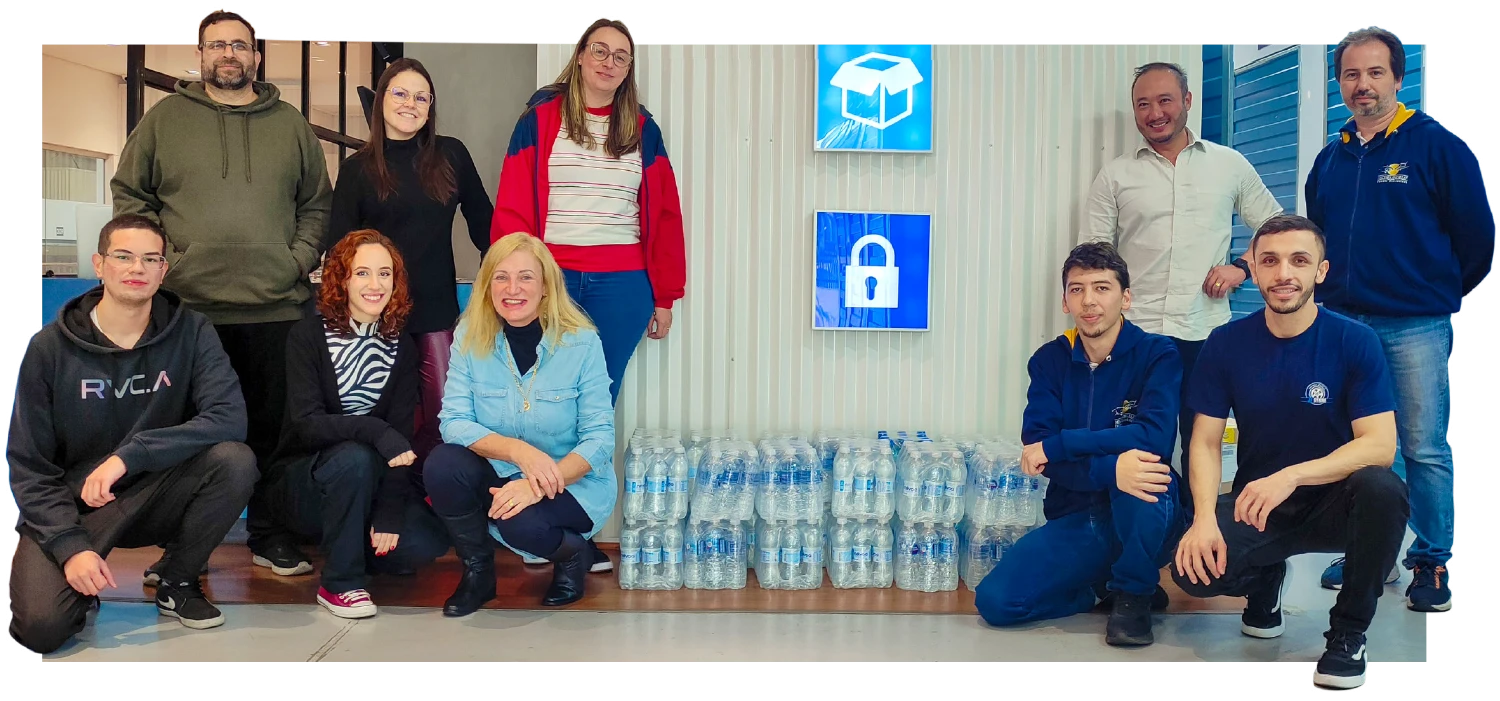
[355, 603]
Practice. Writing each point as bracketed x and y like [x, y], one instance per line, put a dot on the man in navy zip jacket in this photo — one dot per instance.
[1100, 422]
[1410, 233]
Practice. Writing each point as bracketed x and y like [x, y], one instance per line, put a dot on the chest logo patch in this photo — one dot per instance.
[1316, 394]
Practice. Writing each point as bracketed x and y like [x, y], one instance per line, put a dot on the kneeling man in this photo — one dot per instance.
[1100, 423]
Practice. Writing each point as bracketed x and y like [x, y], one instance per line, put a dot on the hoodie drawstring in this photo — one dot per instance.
[223, 147]
[246, 117]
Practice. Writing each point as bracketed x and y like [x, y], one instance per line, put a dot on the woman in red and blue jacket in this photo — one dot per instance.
[587, 172]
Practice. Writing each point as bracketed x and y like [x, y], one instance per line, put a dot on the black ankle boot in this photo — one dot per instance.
[570, 568]
[476, 550]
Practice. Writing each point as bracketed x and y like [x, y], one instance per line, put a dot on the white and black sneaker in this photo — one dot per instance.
[1262, 617]
[283, 559]
[1343, 665]
[601, 563]
[186, 603]
[152, 576]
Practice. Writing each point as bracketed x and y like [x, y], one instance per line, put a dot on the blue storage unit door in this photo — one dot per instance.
[1263, 127]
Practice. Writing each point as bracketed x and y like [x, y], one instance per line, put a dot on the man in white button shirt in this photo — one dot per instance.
[1167, 206]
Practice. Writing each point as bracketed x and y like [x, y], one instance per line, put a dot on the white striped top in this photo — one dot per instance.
[592, 199]
[362, 367]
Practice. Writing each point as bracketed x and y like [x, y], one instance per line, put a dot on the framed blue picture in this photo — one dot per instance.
[872, 271]
[875, 98]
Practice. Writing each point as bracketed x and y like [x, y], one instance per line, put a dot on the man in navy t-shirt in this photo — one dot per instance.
[1316, 415]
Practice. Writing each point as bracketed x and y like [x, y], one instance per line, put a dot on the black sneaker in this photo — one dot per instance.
[601, 561]
[185, 602]
[1428, 591]
[1343, 665]
[283, 559]
[1130, 622]
[1159, 598]
[152, 576]
[1262, 616]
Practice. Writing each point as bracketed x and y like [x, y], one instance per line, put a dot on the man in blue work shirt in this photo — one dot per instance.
[1100, 421]
[1410, 233]
[1312, 400]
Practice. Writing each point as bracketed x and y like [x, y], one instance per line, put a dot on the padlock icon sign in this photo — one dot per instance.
[872, 285]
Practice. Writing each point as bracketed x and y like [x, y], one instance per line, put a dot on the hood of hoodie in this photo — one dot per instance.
[1407, 120]
[1130, 335]
[76, 326]
[267, 96]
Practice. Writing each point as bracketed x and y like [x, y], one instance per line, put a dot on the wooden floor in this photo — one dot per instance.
[233, 580]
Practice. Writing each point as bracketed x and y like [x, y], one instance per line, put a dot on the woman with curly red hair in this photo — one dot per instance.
[340, 472]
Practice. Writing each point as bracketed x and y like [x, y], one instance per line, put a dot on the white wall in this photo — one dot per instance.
[83, 109]
[1020, 134]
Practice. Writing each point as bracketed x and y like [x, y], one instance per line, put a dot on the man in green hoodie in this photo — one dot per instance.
[237, 179]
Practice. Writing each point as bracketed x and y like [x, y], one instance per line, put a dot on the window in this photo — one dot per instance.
[72, 177]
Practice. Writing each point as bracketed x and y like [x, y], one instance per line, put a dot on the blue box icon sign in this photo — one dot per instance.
[874, 98]
[872, 271]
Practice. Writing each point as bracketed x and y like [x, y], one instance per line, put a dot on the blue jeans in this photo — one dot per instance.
[1051, 572]
[620, 305]
[1417, 351]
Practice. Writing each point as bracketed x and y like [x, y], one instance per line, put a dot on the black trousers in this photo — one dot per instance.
[190, 507]
[1364, 516]
[257, 352]
[330, 499]
[459, 483]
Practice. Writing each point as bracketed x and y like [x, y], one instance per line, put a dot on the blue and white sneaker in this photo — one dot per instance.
[1333, 577]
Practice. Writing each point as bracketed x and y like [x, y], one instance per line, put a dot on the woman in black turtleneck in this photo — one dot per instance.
[407, 183]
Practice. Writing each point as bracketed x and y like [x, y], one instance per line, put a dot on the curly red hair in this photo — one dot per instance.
[333, 294]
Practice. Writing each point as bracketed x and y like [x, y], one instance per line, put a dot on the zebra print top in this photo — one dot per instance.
[362, 366]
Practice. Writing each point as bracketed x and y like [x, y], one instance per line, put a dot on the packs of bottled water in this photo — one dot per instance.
[714, 555]
[863, 480]
[751, 528]
[861, 554]
[792, 482]
[651, 556]
[790, 555]
[926, 556]
[981, 547]
[930, 480]
[1000, 494]
[728, 472]
[657, 480]
[898, 439]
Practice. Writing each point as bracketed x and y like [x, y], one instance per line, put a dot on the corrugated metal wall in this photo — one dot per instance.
[1263, 124]
[1020, 133]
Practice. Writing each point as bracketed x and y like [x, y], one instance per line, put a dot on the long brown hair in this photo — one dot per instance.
[333, 293]
[624, 128]
[433, 170]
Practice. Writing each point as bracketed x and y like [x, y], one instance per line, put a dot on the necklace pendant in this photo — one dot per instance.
[526, 405]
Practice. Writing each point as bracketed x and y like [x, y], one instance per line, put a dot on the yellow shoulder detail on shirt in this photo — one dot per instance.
[1402, 114]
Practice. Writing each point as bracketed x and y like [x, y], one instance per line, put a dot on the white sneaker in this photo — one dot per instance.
[355, 603]
[534, 560]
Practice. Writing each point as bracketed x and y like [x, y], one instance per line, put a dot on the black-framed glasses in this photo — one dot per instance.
[217, 47]
[125, 261]
[600, 52]
[403, 96]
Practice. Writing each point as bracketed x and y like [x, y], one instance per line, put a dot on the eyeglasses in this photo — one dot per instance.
[600, 52]
[125, 261]
[402, 96]
[217, 47]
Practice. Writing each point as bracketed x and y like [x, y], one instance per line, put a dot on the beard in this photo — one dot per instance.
[212, 77]
[1381, 105]
[1291, 307]
[1177, 125]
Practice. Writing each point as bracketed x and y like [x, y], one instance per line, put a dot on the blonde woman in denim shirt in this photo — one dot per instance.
[528, 428]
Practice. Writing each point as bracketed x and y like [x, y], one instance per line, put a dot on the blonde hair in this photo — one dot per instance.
[624, 130]
[558, 313]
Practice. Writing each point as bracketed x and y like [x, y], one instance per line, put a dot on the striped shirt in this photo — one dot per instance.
[361, 365]
[593, 200]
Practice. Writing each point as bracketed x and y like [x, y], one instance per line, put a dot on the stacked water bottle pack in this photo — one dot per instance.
[931, 478]
[657, 493]
[1003, 505]
[790, 499]
[720, 528]
[860, 539]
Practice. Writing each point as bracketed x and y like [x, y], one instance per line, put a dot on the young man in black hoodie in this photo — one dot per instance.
[126, 432]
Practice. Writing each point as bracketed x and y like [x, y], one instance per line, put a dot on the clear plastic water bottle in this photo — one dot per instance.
[671, 556]
[791, 554]
[630, 556]
[635, 486]
[841, 553]
[864, 553]
[651, 552]
[692, 554]
[953, 487]
[812, 555]
[947, 558]
[883, 557]
[885, 483]
[933, 477]
[908, 502]
[843, 484]
[768, 561]
[680, 482]
[907, 552]
[734, 548]
[658, 476]
[1030, 501]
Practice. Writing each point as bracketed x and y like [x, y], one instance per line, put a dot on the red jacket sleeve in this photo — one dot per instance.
[666, 263]
[516, 198]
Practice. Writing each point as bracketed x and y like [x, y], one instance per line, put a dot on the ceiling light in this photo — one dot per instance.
[315, 58]
[192, 72]
[321, 43]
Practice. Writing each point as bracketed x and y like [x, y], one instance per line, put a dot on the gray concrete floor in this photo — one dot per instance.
[134, 632]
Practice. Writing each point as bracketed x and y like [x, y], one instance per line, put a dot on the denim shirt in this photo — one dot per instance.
[570, 411]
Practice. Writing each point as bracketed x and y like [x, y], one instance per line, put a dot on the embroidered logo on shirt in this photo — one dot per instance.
[1125, 413]
[1392, 173]
[1316, 394]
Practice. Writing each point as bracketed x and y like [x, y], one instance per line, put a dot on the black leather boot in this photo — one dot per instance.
[570, 568]
[476, 550]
